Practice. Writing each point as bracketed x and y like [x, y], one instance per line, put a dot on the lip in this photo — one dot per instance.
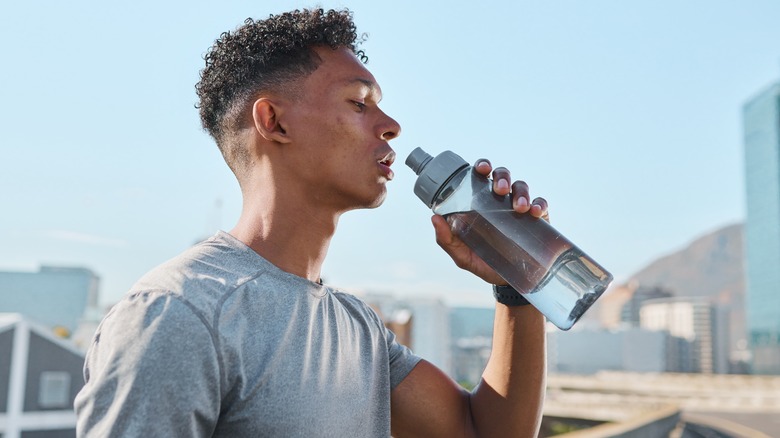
[384, 164]
[385, 170]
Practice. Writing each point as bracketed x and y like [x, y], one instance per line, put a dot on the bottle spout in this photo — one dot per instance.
[417, 160]
[433, 172]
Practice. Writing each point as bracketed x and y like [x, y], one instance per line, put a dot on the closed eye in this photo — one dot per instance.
[360, 105]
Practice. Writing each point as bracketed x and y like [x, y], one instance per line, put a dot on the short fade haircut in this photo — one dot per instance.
[266, 55]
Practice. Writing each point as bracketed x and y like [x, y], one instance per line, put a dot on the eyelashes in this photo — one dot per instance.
[360, 105]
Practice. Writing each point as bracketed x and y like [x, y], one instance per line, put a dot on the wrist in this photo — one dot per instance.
[509, 296]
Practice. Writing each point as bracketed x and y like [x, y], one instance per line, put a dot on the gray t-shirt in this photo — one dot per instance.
[220, 342]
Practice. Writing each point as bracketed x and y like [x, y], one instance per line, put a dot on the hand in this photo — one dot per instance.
[461, 254]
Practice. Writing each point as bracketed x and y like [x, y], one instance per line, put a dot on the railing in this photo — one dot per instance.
[655, 424]
[706, 426]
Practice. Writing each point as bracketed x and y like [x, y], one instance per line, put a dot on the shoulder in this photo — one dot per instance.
[204, 274]
[146, 333]
[152, 316]
[151, 354]
[356, 305]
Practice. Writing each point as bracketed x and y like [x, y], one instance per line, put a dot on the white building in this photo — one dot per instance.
[590, 351]
[40, 376]
[696, 320]
[430, 320]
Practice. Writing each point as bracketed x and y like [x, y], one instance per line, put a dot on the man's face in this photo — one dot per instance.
[340, 136]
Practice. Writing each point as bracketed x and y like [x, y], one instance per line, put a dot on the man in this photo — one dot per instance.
[238, 336]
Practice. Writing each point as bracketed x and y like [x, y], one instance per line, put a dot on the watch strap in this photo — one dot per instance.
[507, 295]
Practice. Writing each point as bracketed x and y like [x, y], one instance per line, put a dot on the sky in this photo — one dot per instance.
[625, 116]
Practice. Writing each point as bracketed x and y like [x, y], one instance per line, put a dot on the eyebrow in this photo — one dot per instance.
[371, 85]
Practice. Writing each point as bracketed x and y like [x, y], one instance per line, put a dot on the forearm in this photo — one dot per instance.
[509, 399]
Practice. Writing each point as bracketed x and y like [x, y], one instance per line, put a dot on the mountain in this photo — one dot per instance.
[710, 266]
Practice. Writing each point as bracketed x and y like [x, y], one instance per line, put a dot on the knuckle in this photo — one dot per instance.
[520, 185]
[461, 264]
[500, 172]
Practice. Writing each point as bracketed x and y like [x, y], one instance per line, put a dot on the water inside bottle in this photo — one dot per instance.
[553, 274]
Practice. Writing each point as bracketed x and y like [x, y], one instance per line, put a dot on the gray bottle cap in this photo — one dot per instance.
[433, 173]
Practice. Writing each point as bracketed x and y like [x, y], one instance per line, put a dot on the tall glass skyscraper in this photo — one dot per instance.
[54, 296]
[761, 120]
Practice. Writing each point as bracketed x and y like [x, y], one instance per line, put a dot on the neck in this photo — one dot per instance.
[286, 230]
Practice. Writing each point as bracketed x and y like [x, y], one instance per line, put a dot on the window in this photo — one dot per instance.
[54, 391]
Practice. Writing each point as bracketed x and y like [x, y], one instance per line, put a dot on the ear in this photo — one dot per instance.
[266, 114]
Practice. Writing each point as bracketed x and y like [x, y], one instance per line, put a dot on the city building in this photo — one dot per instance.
[428, 320]
[697, 321]
[630, 312]
[56, 297]
[590, 351]
[761, 122]
[40, 376]
[608, 310]
[431, 331]
[472, 341]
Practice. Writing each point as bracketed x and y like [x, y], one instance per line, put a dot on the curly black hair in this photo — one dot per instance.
[265, 55]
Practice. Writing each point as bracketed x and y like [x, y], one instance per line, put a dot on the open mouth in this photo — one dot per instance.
[385, 163]
[388, 159]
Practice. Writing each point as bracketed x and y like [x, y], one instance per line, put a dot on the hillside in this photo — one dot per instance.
[711, 266]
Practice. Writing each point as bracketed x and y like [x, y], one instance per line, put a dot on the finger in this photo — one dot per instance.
[501, 181]
[520, 198]
[483, 166]
[450, 243]
[539, 207]
[442, 230]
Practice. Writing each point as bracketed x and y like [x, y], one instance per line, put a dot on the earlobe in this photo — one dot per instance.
[267, 119]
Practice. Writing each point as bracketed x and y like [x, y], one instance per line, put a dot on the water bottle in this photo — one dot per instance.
[552, 273]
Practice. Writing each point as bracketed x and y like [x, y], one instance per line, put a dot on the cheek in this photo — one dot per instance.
[348, 133]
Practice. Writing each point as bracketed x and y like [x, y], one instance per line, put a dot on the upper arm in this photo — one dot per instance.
[427, 403]
[152, 370]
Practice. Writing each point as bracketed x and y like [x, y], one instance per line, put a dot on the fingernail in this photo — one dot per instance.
[536, 210]
[521, 203]
[502, 185]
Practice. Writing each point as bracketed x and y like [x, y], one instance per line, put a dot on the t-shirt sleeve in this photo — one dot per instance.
[152, 370]
[402, 360]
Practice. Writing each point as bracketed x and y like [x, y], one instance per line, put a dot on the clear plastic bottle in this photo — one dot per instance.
[550, 271]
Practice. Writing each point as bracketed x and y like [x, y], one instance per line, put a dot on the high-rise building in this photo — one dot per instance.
[697, 321]
[430, 324]
[588, 351]
[761, 120]
[471, 331]
[56, 297]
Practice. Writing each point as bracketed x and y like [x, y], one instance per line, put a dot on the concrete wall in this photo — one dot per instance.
[655, 424]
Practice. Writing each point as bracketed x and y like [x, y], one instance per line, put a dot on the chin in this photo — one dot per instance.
[377, 203]
[379, 200]
[370, 203]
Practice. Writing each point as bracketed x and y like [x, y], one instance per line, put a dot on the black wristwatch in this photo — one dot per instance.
[507, 295]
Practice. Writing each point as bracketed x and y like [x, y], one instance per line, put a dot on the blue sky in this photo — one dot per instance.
[624, 115]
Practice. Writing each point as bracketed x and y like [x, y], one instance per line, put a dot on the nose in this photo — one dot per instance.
[390, 129]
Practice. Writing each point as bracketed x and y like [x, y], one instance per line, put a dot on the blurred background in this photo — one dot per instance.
[651, 127]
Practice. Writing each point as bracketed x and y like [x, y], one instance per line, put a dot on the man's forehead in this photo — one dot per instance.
[343, 67]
